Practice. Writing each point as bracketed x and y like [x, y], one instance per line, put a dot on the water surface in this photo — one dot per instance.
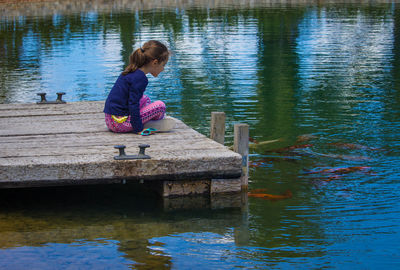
[324, 78]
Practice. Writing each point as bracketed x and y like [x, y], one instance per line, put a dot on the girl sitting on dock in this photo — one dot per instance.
[127, 109]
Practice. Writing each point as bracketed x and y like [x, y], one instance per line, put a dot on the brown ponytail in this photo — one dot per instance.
[151, 50]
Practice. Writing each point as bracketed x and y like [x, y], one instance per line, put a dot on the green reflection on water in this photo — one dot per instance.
[127, 214]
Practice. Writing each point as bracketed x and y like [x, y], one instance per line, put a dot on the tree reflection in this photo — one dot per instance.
[396, 52]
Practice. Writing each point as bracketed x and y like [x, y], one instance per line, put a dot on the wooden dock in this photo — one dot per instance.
[69, 144]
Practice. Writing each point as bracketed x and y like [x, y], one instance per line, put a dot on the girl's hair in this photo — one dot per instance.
[151, 50]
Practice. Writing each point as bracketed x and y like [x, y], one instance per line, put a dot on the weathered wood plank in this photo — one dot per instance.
[132, 148]
[96, 155]
[33, 109]
[85, 167]
[60, 124]
[73, 144]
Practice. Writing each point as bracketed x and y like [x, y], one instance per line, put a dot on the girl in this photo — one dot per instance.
[126, 108]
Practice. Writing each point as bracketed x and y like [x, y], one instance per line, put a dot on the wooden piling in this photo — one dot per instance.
[241, 146]
[218, 127]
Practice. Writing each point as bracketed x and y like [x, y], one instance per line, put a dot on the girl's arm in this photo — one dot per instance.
[134, 110]
[137, 83]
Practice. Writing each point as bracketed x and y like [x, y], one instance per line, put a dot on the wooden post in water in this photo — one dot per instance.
[218, 127]
[241, 146]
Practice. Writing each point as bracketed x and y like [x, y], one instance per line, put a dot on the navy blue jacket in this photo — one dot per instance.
[124, 97]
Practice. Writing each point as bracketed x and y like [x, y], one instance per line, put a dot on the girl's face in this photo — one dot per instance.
[156, 67]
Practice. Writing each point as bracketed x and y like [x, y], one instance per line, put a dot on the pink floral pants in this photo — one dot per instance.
[148, 111]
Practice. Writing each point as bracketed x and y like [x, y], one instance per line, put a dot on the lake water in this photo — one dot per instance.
[322, 81]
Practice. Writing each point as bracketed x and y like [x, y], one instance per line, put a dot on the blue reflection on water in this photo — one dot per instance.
[206, 250]
[98, 254]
